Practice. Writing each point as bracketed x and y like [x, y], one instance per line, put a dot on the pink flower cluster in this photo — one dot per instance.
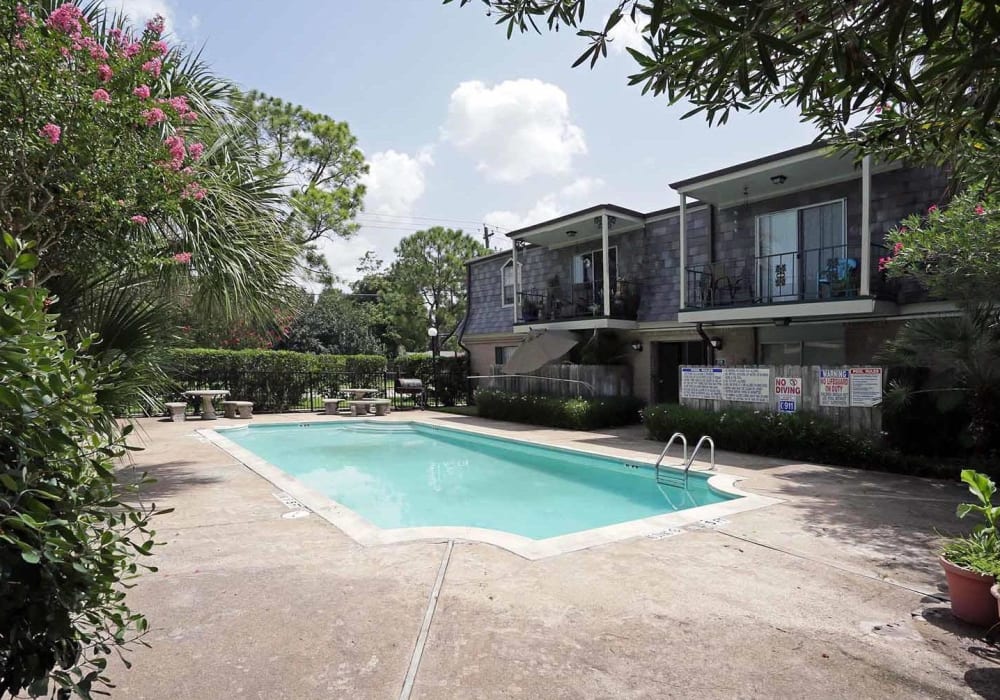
[131, 49]
[160, 47]
[104, 72]
[181, 106]
[153, 66]
[66, 18]
[883, 262]
[195, 150]
[193, 191]
[980, 210]
[932, 208]
[154, 116]
[142, 92]
[139, 219]
[22, 16]
[156, 25]
[53, 132]
[183, 258]
[101, 95]
[175, 144]
[96, 51]
[19, 43]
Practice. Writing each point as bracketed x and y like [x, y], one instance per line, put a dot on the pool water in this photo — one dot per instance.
[413, 475]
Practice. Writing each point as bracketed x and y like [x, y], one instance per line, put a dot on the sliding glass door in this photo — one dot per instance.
[796, 249]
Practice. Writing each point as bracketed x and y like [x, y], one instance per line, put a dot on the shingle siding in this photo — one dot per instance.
[650, 256]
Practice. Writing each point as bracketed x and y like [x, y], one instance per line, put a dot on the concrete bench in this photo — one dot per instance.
[238, 409]
[361, 407]
[332, 406]
[176, 410]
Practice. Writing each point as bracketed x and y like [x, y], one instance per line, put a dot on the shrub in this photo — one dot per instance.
[67, 541]
[558, 412]
[799, 436]
[274, 380]
[451, 383]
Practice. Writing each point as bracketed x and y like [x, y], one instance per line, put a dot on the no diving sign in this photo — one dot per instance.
[787, 392]
[787, 387]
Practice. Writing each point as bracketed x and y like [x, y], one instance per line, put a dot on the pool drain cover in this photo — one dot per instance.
[288, 501]
[293, 514]
[669, 532]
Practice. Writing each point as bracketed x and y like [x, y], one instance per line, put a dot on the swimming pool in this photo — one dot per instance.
[411, 475]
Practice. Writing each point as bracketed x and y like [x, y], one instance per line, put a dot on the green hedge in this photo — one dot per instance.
[202, 360]
[275, 380]
[556, 412]
[797, 436]
[451, 383]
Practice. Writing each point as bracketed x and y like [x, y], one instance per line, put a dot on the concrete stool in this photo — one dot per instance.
[382, 406]
[330, 406]
[176, 409]
[238, 409]
[359, 408]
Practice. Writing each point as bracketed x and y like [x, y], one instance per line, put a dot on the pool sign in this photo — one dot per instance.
[866, 386]
[834, 387]
[787, 387]
[786, 406]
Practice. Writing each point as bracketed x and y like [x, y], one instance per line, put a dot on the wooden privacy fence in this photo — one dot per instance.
[746, 387]
[571, 380]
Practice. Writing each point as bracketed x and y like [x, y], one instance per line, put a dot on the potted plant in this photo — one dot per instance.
[971, 563]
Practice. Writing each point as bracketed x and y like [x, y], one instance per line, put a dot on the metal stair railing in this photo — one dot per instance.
[667, 477]
[681, 480]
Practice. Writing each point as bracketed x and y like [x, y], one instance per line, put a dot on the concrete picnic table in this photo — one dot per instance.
[207, 409]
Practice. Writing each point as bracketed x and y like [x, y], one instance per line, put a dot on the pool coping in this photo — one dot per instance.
[367, 534]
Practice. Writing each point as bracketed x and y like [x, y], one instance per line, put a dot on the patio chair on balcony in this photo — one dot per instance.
[839, 279]
[719, 280]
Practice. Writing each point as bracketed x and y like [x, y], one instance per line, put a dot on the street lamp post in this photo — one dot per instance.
[432, 333]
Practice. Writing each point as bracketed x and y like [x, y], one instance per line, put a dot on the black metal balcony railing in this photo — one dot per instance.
[577, 301]
[817, 274]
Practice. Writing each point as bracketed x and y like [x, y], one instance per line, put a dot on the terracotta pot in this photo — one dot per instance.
[971, 598]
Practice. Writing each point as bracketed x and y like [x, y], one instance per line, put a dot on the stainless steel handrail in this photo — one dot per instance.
[663, 454]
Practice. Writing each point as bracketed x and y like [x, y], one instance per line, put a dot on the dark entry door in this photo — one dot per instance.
[669, 357]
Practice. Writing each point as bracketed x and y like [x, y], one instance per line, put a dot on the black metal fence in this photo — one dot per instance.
[275, 392]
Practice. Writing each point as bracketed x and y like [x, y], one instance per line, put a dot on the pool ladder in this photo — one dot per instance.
[669, 476]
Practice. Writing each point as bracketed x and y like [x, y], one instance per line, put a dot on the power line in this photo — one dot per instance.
[397, 217]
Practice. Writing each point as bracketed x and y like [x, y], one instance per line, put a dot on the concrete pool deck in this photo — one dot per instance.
[833, 592]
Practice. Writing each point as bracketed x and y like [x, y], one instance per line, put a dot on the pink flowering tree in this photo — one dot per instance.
[94, 138]
[952, 250]
[125, 186]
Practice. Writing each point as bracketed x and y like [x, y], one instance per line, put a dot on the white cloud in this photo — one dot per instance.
[572, 196]
[140, 11]
[194, 22]
[515, 129]
[395, 181]
[625, 35]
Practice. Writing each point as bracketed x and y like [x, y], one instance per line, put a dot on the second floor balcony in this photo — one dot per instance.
[819, 274]
[571, 302]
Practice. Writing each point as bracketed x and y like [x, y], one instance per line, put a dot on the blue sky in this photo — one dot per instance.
[459, 124]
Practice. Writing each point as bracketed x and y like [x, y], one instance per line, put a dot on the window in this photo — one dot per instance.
[809, 352]
[502, 353]
[780, 353]
[588, 275]
[507, 282]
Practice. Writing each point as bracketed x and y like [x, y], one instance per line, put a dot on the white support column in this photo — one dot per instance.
[513, 257]
[682, 267]
[866, 226]
[606, 266]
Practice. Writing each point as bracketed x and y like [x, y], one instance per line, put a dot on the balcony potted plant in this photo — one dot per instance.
[971, 563]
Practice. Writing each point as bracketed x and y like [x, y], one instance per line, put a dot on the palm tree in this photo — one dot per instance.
[962, 357]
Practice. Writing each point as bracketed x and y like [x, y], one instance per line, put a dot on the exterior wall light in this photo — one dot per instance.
[778, 179]
[571, 233]
[637, 345]
[715, 342]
